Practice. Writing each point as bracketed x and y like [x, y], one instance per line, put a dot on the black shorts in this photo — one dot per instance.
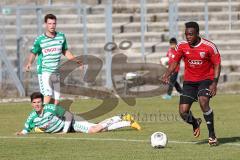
[192, 90]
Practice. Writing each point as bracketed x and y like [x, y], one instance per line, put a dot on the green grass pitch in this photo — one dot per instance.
[154, 114]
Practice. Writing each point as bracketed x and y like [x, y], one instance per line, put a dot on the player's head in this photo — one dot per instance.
[50, 16]
[50, 22]
[35, 95]
[173, 42]
[37, 101]
[192, 33]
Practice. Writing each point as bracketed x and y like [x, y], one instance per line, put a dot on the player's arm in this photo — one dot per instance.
[36, 49]
[217, 71]
[216, 60]
[30, 61]
[67, 53]
[171, 68]
[213, 86]
[28, 126]
[71, 57]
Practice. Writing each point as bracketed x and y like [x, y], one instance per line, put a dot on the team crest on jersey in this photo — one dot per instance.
[202, 54]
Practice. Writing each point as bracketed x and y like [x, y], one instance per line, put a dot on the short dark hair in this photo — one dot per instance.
[192, 25]
[35, 95]
[173, 40]
[49, 16]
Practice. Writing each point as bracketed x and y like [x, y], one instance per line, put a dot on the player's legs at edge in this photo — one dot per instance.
[190, 93]
[112, 123]
[130, 118]
[127, 120]
[188, 117]
[49, 84]
[204, 98]
[209, 118]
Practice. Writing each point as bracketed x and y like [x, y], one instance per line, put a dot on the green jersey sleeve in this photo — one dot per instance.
[65, 45]
[29, 124]
[56, 110]
[60, 111]
[36, 49]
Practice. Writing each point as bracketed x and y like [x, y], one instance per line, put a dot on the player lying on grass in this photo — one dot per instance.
[50, 118]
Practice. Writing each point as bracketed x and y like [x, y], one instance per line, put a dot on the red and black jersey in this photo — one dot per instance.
[199, 60]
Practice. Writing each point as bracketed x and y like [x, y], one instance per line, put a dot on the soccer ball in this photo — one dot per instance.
[159, 140]
[164, 61]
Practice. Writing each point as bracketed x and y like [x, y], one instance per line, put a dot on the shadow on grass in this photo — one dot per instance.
[223, 140]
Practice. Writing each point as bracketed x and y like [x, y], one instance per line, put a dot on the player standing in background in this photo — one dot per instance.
[202, 70]
[50, 118]
[49, 47]
[173, 78]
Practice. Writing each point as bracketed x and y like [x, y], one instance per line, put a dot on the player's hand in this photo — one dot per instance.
[28, 67]
[165, 79]
[78, 61]
[19, 133]
[213, 89]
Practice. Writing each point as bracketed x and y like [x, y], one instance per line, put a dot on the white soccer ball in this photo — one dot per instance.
[159, 140]
[164, 61]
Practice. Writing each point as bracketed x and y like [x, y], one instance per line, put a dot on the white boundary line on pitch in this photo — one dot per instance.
[105, 139]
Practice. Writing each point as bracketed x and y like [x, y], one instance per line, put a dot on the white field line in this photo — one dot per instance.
[105, 139]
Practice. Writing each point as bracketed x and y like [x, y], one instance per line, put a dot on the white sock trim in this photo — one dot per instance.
[208, 112]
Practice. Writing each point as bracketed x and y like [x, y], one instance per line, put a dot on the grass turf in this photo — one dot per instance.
[154, 114]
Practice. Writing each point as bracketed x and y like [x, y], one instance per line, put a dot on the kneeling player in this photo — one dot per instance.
[50, 118]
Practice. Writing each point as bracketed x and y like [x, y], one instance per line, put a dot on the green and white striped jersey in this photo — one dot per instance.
[49, 51]
[50, 121]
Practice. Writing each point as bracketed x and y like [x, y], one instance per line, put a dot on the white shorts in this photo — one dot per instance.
[81, 125]
[49, 84]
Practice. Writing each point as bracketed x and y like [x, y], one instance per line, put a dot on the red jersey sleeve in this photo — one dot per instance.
[178, 53]
[215, 55]
[172, 56]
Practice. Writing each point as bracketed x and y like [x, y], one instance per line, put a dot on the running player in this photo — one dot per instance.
[49, 47]
[202, 70]
[173, 78]
[50, 118]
